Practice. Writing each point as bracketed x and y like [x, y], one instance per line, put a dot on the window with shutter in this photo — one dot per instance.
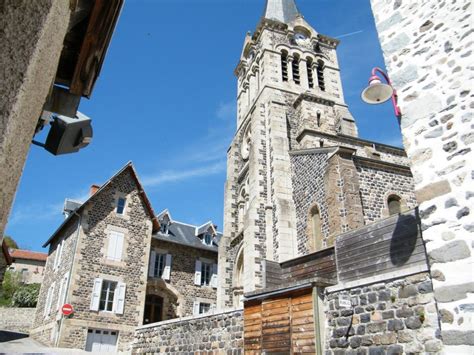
[119, 299]
[196, 307]
[115, 246]
[107, 296]
[197, 273]
[206, 274]
[167, 269]
[214, 276]
[151, 266]
[50, 299]
[61, 247]
[96, 291]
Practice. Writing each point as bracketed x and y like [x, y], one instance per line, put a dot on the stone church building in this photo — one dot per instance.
[298, 175]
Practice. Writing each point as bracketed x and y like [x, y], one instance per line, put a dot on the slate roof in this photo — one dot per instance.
[28, 255]
[185, 234]
[72, 216]
[281, 10]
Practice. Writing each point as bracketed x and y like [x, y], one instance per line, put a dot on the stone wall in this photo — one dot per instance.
[32, 40]
[377, 183]
[180, 290]
[427, 48]
[392, 317]
[16, 319]
[219, 333]
[309, 190]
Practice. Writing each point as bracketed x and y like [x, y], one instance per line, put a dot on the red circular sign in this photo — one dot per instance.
[67, 309]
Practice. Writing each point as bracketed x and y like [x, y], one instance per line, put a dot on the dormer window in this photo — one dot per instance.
[207, 239]
[121, 205]
[164, 227]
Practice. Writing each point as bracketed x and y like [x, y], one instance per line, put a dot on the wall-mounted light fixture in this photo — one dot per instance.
[68, 134]
[378, 92]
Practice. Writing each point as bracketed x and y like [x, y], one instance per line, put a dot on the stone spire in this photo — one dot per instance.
[281, 10]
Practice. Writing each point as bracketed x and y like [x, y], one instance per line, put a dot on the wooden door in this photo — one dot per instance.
[282, 325]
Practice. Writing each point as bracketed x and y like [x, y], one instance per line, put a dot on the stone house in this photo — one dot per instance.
[30, 264]
[118, 267]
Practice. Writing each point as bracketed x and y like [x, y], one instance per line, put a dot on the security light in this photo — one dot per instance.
[69, 134]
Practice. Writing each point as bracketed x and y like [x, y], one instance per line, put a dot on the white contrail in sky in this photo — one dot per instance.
[350, 34]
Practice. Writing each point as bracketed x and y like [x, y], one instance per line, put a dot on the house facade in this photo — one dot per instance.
[30, 264]
[118, 267]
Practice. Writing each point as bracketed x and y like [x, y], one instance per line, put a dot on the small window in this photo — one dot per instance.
[121, 205]
[106, 302]
[164, 228]
[206, 274]
[204, 307]
[159, 267]
[207, 239]
[394, 205]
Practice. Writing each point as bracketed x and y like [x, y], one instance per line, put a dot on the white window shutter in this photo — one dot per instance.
[112, 246]
[56, 256]
[151, 267]
[214, 276]
[197, 273]
[195, 308]
[61, 247]
[167, 271]
[64, 295]
[95, 298]
[119, 298]
[60, 292]
[48, 298]
[118, 245]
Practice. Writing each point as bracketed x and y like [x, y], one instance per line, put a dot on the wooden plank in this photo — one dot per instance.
[377, 247]
[384, 260]
[314, 273]
[383, 254]
[313, 268]
[276, 331]
[303, 328]
[302, 320]
[276, 318]
[376, 229]
[305, 298]
[409, 215]
[302, 307]
[419, 259]
[377, 238]
[302, 259]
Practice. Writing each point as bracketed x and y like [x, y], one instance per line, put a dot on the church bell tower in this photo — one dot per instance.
[289, 97]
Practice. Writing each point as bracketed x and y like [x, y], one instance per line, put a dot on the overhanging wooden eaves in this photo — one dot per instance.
[92, 24]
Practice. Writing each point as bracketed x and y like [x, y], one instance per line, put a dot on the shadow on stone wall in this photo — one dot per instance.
[404, 238]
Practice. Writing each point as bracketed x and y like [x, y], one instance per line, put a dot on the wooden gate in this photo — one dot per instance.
[283, 325]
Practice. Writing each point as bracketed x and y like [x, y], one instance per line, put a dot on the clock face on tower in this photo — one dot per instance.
[301, 39]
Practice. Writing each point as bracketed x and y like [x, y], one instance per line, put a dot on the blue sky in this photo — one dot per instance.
[165, 100]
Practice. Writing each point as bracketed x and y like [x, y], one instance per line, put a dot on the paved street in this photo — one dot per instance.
[14, 343]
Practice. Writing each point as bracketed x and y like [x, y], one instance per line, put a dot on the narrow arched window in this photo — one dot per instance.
[315, 220]
[284, 66]
[394, 204]
[296, 69]
[320, 72]
[309, 69]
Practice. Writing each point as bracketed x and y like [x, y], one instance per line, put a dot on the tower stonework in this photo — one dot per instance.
[297, 173]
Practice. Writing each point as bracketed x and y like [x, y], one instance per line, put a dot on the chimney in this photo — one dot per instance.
[93, 189]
